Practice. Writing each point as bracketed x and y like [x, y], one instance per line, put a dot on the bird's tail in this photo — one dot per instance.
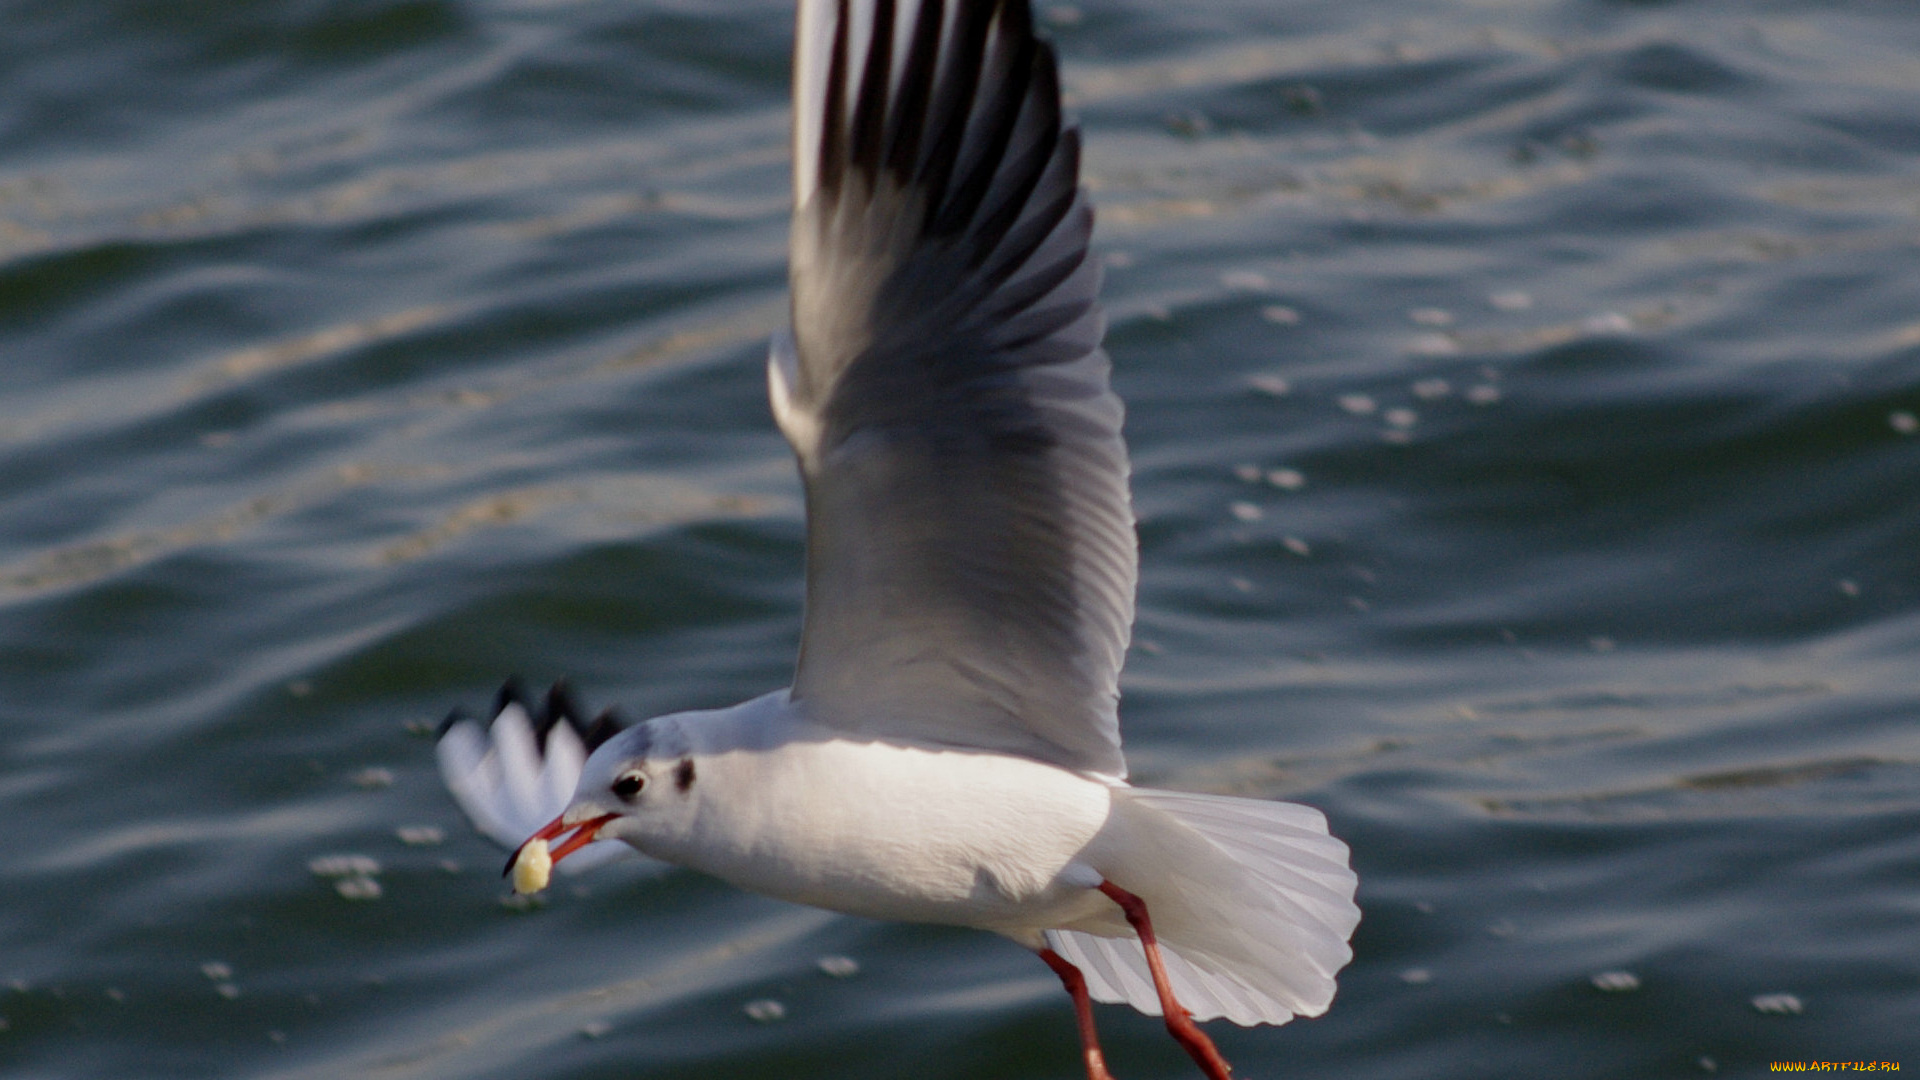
[1252, 903]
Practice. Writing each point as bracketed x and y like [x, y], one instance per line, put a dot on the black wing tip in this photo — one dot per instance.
[1018, 15]
[557, 706]
[512, 692]
[604, 727]
[454, 716]
[871, 125]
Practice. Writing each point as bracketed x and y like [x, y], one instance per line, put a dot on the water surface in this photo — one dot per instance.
[1525, 406]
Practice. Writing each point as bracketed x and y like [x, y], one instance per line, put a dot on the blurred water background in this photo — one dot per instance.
[1525, 406]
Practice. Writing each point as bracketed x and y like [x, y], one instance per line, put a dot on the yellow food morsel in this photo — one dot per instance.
[532, 868]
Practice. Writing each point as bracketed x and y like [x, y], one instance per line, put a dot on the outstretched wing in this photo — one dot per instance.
[518, 773]
[970, 550]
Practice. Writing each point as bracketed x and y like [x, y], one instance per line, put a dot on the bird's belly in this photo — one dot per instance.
[905, 833]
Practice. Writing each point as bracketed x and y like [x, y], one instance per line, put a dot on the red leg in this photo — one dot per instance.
[1179, 1023]
[1082, 1011]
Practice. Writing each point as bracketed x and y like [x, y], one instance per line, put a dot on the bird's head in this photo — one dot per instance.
[636, 785]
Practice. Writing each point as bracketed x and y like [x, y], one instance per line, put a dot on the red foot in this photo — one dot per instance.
[1082, 1011]
[1179, 1022]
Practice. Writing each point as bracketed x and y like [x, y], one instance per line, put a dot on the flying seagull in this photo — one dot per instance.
[949, 751]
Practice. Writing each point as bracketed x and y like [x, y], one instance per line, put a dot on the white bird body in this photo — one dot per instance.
[949, 751]
[910, 833]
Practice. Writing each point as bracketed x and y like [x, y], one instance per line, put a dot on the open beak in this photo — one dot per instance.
[585, 831]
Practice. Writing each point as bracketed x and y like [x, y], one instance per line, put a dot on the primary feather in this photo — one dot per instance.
[515, 773]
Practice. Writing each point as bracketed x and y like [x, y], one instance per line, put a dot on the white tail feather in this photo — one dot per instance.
[1252, 903]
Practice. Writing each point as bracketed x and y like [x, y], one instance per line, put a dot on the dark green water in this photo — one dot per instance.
[1523, 399]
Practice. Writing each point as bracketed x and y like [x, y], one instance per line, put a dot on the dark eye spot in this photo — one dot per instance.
[683, 774]
[629, 784]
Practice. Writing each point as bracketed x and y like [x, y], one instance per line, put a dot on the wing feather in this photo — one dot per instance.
[518, 772]
[971, 556]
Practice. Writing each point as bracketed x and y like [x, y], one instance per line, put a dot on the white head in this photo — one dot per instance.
[637, 785]
[645, 785]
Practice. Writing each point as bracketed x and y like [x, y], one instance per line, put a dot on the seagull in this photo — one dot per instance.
[949, 751]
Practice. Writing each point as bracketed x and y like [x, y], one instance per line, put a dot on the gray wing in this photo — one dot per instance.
[970, 549]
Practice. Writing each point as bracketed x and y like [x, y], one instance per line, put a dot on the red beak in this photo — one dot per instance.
[584, 833]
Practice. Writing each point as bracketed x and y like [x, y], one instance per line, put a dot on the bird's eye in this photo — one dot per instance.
[629, 784]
